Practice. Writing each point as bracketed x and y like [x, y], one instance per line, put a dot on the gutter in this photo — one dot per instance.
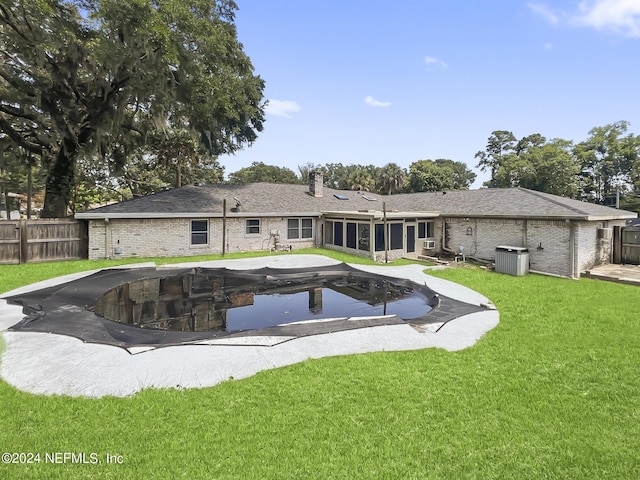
[588, 218]
[524, 217]
[133, 216]
[597, 218]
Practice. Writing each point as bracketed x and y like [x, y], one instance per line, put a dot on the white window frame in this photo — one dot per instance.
[429, 225]
[198, 232]
[247, 227]
[300, 228]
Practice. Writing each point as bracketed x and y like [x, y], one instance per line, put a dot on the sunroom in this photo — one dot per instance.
[381, 236]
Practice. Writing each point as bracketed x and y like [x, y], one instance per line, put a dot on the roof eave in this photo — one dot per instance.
[378, 214]
[585, 217]
[160, 215]
[516, 217]
[621, 216]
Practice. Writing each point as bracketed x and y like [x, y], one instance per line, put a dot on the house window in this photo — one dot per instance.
[338, 227]
[363, 237]
[396, 240]
[426, 229]
[299, 228]
[252, 226]
[307, 228]
[396, 236]
[328, 232]
[199, 232]
[379, 230]
[351, 235]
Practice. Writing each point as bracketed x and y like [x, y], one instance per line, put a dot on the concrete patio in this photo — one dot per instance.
[629, 274]
[45, 363]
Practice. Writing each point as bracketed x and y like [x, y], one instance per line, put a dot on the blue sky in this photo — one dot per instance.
[373, 82]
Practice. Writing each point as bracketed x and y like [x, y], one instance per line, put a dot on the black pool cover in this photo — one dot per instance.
[173, 306]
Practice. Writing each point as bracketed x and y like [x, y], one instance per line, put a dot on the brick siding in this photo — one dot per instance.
[548, 241]
[172, 237]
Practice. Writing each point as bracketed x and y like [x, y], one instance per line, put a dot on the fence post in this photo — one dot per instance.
[23, 236]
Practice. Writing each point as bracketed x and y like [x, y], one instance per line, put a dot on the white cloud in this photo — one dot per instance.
[540, 9]
[622, 16]
[281, 108]
[433, 60]
[548, 46]
[372, 102]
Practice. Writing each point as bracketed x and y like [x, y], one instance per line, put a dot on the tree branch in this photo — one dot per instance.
[19, 139]
[17, 112]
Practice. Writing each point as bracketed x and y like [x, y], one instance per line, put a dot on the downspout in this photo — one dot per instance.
[107, 239]
[386, 233]
[444, 239]
[372, 239]
[475, 237]
[224, 224]
[572, 243]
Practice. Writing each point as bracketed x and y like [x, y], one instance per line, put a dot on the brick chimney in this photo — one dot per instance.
[315, 184]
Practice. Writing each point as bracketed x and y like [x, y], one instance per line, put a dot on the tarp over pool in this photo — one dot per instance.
[70, 308]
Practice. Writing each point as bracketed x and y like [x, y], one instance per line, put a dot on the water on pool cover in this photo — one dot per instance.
[234, 302]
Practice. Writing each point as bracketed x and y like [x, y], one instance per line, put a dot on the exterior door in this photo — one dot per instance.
[411, 238]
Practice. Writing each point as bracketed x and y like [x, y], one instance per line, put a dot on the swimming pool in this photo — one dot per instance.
[173, 306]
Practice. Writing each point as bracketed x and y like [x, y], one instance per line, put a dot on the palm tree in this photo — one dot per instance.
[361, 180]
[392, 178]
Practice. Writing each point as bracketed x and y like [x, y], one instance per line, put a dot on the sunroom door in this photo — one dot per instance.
[411, 238]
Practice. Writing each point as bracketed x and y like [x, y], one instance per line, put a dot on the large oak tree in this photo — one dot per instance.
[609, 161]
[81, 77]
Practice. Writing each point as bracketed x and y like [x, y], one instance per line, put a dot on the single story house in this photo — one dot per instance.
[563, 236]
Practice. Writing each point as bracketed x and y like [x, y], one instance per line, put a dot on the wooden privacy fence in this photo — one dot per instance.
[23, 241]
[626, 245]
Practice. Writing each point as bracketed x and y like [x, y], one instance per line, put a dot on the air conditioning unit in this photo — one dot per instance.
[605, 233]
[429, 244]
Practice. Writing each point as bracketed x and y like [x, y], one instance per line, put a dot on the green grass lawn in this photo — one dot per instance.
[552, 392]
[14, 276]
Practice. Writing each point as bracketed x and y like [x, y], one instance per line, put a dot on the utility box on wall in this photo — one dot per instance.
[512, 260]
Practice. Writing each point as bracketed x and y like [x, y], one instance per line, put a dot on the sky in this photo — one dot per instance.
[373, 82]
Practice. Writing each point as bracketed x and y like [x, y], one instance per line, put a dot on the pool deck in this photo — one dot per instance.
[46, 364]
[629, 274]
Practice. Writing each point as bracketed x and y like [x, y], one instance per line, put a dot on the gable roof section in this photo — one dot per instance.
[270, 199]
[256, 199]
[510, 203]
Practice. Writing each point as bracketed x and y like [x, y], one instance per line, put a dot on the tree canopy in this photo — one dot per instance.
[599, 169]
[439, 175]
[110, 78]
[609, 162]
[259, 172]
[391, 178]
[500, 143]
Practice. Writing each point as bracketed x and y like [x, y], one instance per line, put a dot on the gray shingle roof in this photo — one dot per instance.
[261, 199]
[508, 202]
